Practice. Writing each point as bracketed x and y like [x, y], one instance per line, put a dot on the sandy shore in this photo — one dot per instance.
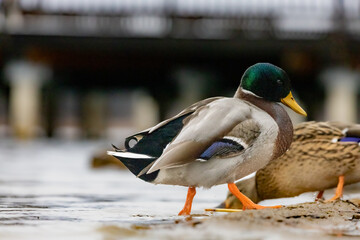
[340, 218]
[317, 220]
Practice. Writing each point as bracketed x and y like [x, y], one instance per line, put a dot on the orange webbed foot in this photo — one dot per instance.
[339, 190]
[246, 202]
[184, 212]
[188, 203]
[258, 207]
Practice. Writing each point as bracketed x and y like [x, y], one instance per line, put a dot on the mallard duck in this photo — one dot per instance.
[217, 140]
[323, 155]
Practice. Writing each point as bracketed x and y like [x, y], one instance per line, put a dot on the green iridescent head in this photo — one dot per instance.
[271, 83]
[267, 81]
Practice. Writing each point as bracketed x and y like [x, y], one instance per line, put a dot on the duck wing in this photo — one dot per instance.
[344, 152]
[348, 129]
[201, 129]
[235, 142]
[351, 130]
[143, 148]
[330, 141]
[321, 148]
[222, 148]
[316, 130]
[154, 140]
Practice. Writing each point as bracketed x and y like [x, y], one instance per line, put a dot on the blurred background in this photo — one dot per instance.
[88, 69]
[78, 75]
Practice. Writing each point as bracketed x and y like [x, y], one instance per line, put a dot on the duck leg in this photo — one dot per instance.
[319, 195]
[246, 202]
[188, 203]
[339, 189]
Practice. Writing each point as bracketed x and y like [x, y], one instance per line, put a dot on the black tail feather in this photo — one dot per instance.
[115, 148]
[151, 144]
[137, 165]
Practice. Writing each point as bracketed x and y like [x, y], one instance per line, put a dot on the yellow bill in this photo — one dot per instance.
[291, 103]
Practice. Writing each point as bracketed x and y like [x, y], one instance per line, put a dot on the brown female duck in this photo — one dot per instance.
[323, 155]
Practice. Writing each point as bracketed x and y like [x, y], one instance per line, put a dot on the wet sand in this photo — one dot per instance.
[318, 220]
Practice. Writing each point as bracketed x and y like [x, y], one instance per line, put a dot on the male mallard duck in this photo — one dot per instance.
[323, 155]
[217, 140]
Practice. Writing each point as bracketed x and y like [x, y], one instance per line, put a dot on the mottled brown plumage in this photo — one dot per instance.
[314, 162]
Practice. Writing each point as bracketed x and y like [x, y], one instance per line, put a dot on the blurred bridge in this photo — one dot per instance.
[183, 19]
[81, 63]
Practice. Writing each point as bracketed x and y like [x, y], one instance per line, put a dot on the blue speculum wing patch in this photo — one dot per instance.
[350, 139]
[220, 148]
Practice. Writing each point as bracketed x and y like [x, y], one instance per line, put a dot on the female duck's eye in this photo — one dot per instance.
[279, 82]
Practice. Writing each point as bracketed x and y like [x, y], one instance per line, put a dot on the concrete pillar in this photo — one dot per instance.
[67, 116]
[129, 112]
[25, 81]
[94, 114]
[11, 18]
[341, 86]
[4, 127]
[119, 115]
[145, 110]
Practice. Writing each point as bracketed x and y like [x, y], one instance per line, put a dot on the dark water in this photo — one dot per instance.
[49, 191]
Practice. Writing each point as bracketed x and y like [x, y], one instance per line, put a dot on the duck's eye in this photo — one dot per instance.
[279, 82]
